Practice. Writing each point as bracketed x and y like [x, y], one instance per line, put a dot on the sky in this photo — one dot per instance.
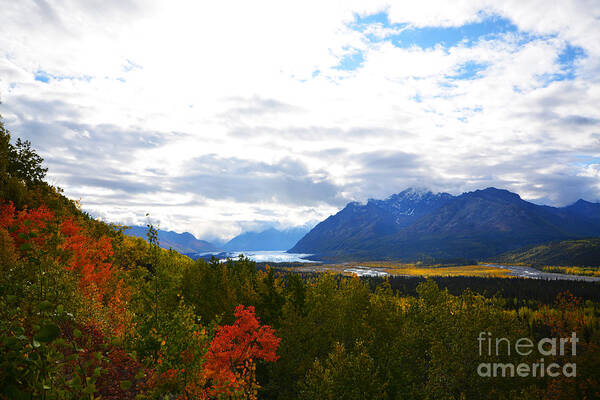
[222, 117]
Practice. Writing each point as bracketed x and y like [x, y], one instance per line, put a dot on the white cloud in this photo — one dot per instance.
[137, 91]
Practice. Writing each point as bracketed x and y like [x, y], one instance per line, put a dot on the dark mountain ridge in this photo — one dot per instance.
[416, 225]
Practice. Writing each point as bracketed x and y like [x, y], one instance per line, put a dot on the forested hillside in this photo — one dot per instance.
[583, 253]
[87, 312]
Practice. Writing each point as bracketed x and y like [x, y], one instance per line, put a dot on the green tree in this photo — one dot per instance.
[344, 375]
[25, 164]
[20, 168]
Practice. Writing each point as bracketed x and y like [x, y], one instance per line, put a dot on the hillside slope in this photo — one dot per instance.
[582, 253]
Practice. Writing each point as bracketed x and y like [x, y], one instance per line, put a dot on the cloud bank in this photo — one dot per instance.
[216, 117]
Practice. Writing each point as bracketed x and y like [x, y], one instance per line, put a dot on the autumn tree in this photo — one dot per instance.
[231, 359]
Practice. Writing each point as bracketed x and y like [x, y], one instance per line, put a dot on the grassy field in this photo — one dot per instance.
[463, 270]
[400, 269]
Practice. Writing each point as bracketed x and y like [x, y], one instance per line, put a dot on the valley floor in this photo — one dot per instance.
[388, 268]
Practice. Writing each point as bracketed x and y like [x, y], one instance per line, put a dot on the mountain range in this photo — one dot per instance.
[269, 239]
[420, 225]
[184, 243]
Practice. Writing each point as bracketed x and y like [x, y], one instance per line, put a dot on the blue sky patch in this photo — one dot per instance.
[566, 61]
[584, 161]
[351, 61]
[430, 37]
[570, 54]
[43, 76]
[468, 70]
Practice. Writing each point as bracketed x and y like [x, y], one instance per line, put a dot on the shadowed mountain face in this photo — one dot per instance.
[270, 239]
[421, 225]
[585, 209]
[357, 224]
[181, 242]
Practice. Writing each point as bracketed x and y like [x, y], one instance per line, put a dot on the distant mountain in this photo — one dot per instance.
[270, 239]
[421, 225]
[182, 242]
[582, 252]
[357, 223]
[585, 209]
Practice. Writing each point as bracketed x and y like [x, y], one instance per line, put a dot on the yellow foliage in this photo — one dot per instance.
[398, 269]
[587, 271]
[463, 270]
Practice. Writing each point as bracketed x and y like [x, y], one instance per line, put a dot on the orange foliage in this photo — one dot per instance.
[230, 358]
[87, 256]
[7, 213]
[27, 226]
[90, 258]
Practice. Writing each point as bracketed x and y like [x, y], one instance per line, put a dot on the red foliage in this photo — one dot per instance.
[121, 367]
[245, 339]
[89, 257]
[117, 366]
[27, 226]
[79, 252]
[230, 358]
[7, 213]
